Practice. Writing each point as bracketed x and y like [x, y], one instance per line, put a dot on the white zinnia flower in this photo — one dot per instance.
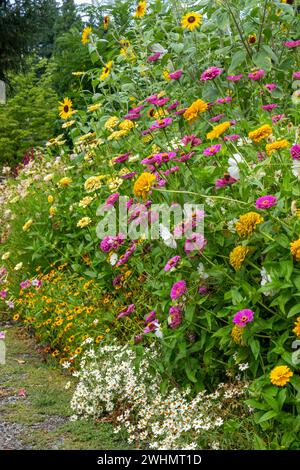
[233, 163]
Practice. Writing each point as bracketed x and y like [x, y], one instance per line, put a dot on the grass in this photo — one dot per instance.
[45, 410]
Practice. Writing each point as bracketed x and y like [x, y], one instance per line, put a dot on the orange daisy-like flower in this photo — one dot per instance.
[280, 375]
[143, 184]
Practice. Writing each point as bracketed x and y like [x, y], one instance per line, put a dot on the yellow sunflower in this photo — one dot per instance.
[65, 108]
[106, 70]
[140, 10]
[106, 22]
[85, 36]
[191, 20]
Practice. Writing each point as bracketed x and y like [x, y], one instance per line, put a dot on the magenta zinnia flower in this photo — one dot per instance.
[270, 86]
[161, 123]
[227, 99]
[127, 311]
[269, 107]
[234, 78]
[231, 137]
[217, 118]
[211, 73]
[257, 75]
[212, 150]
[110, 201]
[178, 289]
[191, 139]
[150, 317]
[175, 75]
[243, 317]
[264, 202]
[196, 243]
[121, 158]
[154, 57]
[277, 117]
[296, 75]
[173, 106]
[292, 43]
[3, 294]
[171, 264]
[175, 316]
[295, 152]
[225, 181]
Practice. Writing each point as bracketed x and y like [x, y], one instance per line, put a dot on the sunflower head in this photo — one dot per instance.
[105, 22]
[140, 10]
[191, 20]
[85, 36]
[65, 108]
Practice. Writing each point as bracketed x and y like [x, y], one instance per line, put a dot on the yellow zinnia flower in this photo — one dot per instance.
[237, 256]
[93, 183]
[111, 122]
[93, 107]
[191, 21]
[261, 133]
[85, 36]
[197, 107]
[143, 184]
[63, 182]
[280, 375]
[277, 145]
[84, 222]
[246, 224]
[295, 249]
[296, 330]
[65, 108]
[27, 225]
[237, 334]
[218, 130]
[126, 125]
[140, 10]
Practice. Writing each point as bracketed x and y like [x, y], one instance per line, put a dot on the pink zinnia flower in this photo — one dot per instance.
[296, 75]
[234, 78]
[151, 99]
[227, 99]
[3, 294]
[265, 202]
[175, 316]
[2, 334]
[111, 243]
[173, 106]
[110, 201]
[124, 258]
[232, 137]
[178, 289]
[225, 181]
[196, 243]
[175, 75]
[191, 139]
[180, 111]
[292, 43]
[128, 176]
[212, 150]
[270, 86]
[202, 289]
[243, 317]
[150, 317]
[161, 101]
[127, 311]
[161, 123]
[269, 107]
[257, 75]
[171, 264]
[121, 158]
[25, 284]
[217, 118]
[154, 57]
[211, 73]
[295, 152]
[277, 117]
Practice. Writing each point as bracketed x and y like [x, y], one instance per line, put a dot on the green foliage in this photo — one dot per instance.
[28, 118]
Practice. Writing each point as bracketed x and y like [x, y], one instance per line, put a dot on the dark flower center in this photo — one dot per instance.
[191, 19]
[66, 108]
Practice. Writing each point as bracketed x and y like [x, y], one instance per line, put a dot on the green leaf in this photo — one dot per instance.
[237, 59]
[255, 347]
[294, 311]
[267, 416]
[259, 443]
[262, 60]
[270, 52]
